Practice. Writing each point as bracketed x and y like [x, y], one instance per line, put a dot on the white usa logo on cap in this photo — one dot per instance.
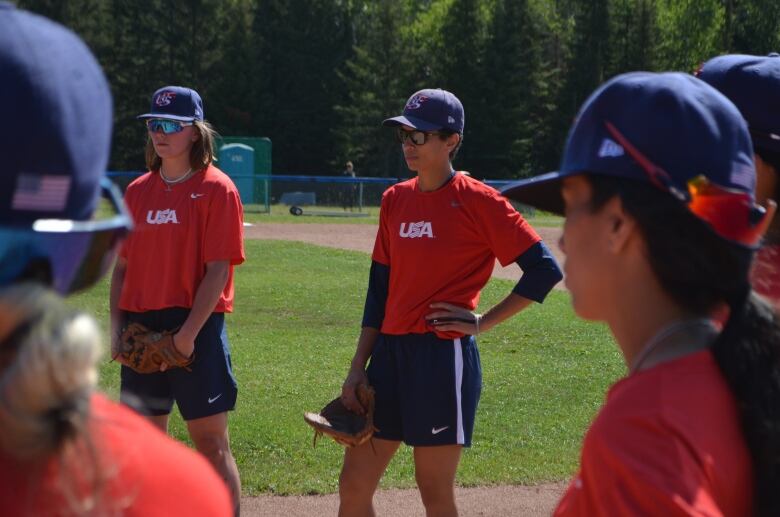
[416, 101]
[610, 149]
[165, 98]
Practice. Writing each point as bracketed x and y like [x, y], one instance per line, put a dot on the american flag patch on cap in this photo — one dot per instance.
[40, 193]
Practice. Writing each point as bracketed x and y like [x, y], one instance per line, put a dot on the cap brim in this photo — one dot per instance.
[542, 192]
[166, 117]
[416, 123]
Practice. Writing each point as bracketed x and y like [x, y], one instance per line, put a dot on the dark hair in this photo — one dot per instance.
[701, 271]
[201, 153]
[770, 156]
[444, 134]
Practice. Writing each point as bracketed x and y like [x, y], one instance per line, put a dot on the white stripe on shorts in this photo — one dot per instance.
[458, 386]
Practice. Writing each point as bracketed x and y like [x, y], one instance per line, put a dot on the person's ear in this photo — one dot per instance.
[620, 225]
[452, 141]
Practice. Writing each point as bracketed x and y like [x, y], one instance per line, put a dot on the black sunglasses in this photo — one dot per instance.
[417, 137]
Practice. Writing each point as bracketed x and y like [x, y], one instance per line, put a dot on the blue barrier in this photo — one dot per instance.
[314, 179]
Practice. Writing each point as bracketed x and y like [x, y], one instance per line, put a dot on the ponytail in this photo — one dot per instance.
[702, 272]
[748, 354]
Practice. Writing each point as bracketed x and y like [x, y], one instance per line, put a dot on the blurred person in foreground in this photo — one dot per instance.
[64, 448]
[657, 184]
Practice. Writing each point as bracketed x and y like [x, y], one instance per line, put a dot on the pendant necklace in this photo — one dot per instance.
[662, 336]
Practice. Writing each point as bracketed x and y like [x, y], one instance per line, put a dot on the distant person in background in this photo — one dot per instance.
[65, 449]
[753, 84]
[176, 272]
[439, 236]
[350, 189]
[657, 185]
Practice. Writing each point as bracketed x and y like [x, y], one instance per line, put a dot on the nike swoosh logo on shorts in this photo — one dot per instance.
[437, 430]
[211, 400]
[196, 196]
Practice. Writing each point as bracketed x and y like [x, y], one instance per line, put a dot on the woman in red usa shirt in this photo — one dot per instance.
[176, 273]
[439, 236]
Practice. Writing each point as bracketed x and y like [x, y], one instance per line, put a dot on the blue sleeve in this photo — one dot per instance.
[376, 297]
[540, 273]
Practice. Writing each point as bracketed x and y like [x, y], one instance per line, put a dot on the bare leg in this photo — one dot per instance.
[434, 469]
[363, 468]
[210, 436]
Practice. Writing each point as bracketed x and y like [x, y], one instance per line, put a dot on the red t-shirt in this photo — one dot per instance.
[667, 442]
[441, 247]
[146, 472]
[178, 230]
[765, 275]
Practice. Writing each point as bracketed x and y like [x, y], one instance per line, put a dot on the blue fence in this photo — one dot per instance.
[345, 191]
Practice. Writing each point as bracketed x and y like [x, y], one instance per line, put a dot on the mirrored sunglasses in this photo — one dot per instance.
[78, 253]
[731, 213]
[167, 126]
[417, 137]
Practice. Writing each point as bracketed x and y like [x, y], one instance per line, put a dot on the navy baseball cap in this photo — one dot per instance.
[671, 130]
[753, 84]
[431, 110]
[57, 147]
[175, 103]
[54, 155]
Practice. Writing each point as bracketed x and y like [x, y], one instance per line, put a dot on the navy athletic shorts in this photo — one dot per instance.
[210, 388]
[427, 388]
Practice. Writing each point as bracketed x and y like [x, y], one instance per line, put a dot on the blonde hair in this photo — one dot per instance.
[48, 358]
[201, 152]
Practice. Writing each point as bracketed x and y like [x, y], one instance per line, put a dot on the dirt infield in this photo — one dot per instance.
[360, 237]
[493, 501]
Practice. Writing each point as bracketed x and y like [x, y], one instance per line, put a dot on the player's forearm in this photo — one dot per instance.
[206, 298]
[115, 292]
[368, 336]
[503, 310]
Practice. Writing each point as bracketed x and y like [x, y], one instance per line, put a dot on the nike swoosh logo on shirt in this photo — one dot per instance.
[211, 400]
[196, 196]
[437, 430]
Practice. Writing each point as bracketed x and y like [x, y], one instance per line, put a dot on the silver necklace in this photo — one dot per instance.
[181, 178]
[664, 334]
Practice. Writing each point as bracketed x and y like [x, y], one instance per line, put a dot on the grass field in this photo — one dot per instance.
[293, 332]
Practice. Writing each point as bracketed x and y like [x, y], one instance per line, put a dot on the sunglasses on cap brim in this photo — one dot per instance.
[77, 253]
[167, 126]
[731, 213]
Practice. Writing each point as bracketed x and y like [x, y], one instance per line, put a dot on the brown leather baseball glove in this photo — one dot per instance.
[341, 424]
[144, 350]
